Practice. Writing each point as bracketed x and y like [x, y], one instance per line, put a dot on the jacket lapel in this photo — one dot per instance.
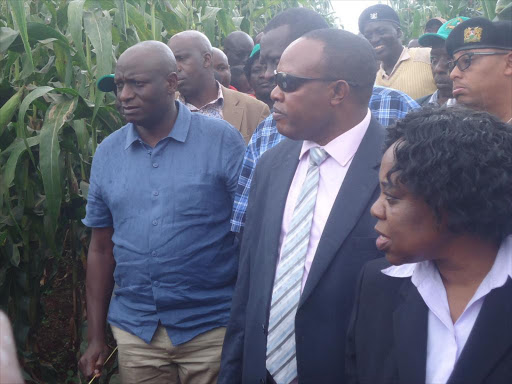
[353, 196]
[410, 329]
[231, 112]
[278, 183]
[490, 338]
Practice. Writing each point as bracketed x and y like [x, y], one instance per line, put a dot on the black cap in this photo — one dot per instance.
[378, 12]
[480, 33]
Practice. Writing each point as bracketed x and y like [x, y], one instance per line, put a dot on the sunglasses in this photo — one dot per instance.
[290, 83]
[464, 61]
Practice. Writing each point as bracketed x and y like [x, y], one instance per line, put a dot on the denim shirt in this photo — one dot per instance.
[169, 206]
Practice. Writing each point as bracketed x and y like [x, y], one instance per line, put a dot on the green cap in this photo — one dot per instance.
[106, 83]
[428, 39]
[255, 50]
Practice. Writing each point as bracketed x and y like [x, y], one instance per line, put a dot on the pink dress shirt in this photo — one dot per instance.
[341, 151]
[446, 340]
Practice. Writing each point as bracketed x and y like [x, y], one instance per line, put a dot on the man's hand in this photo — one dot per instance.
[91, 362]
[99, 283]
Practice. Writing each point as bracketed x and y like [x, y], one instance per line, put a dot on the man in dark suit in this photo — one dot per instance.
[308, 230]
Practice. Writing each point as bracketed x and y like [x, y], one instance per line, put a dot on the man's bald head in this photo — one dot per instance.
[193, 52]
[218, 55]
[237, 47]
[221, 67]
[196, 39]
[146, 82]
[155, 53]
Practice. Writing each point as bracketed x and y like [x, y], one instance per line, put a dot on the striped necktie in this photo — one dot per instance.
[281, 362]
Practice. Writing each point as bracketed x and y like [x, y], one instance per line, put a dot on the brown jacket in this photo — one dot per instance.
[243, 112]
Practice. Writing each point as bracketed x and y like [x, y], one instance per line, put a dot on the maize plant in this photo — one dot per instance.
[415, 13]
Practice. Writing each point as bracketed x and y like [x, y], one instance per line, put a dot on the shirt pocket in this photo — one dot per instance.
[200, 194]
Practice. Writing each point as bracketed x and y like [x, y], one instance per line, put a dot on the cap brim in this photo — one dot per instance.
[106, 83]
[428, 39]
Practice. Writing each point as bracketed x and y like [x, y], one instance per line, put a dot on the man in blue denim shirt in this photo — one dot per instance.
[159, 203]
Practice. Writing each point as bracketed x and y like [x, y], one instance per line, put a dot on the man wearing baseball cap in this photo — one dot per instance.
[402, 68]
[439, 62]
[481, 66]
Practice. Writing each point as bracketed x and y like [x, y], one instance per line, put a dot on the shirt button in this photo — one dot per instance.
[155, 193]
[149, 152]
[153, 253]
[156, 283]
[155, 222]
[155, 165]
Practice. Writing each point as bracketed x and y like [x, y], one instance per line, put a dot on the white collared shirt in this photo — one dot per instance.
[446, 340]
[332, 172]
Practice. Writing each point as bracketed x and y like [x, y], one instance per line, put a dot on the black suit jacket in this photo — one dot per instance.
[347, 242]
[387, 339]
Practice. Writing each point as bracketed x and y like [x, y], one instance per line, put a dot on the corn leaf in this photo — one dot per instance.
[504, 10]
[49, 151]
[123, 15]
[18, 14]
[99, 30]
[36, 93]
[39, 32]
[15, 150]
[7, 36]
[8, 109]
[82, 136]
[75, 17]
[139, 22]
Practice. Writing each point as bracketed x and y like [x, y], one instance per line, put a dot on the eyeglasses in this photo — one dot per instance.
[464, 61]
[290, 83]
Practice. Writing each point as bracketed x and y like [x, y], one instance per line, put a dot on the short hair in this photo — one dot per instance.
[348, 57]
[299, 20]
[459, 162]
[436, 21]
[239, 38]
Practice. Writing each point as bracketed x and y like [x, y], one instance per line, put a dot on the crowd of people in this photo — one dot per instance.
[251, 230]
[311, 206]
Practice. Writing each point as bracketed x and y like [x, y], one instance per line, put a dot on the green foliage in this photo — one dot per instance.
[51, 118]
[415, 13]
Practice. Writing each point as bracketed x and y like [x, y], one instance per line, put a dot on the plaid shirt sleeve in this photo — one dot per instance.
[264, 137]
[389, 105]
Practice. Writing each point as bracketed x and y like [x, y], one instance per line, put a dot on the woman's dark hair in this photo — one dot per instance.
[460, 162]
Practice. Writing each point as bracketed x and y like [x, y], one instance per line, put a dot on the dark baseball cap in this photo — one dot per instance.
[428, 39]
[480, 33]
[378, 12]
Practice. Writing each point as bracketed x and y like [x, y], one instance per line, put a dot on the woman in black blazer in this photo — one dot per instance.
[438, 308]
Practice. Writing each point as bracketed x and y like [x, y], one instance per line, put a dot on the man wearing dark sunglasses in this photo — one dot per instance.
[481, 66]
[387, 105]
[308, 230]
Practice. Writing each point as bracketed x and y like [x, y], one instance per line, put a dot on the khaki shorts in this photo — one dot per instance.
[194, 362]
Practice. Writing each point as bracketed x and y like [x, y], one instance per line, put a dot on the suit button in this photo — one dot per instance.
[263, 328]
[262, 381]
